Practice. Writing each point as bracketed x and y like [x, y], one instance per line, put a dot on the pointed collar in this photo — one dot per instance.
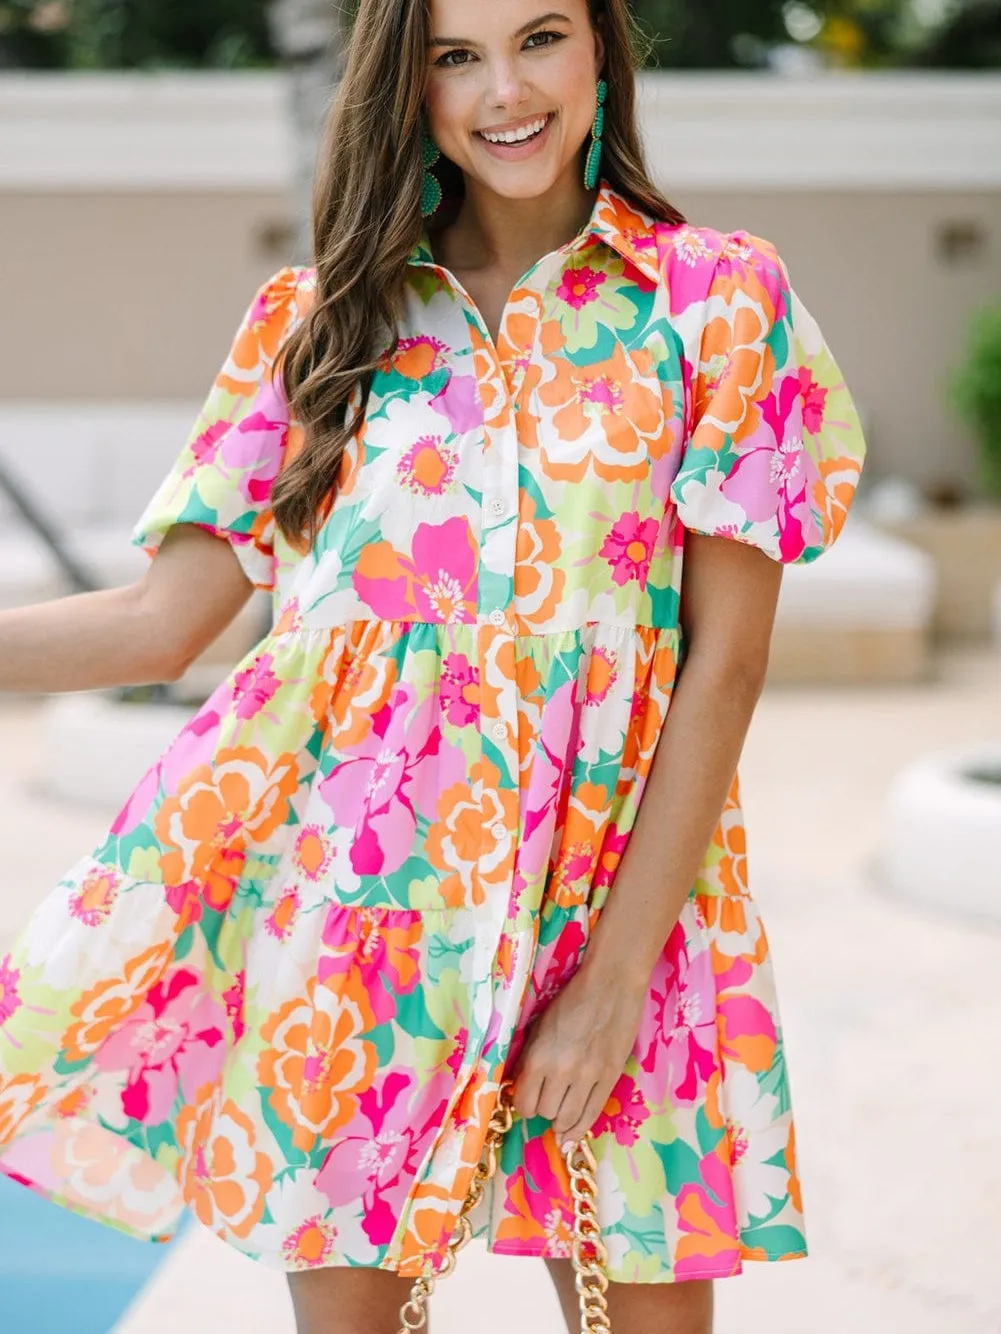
[629, 232]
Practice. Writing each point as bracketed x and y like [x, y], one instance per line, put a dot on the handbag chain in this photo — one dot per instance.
[587, 1250]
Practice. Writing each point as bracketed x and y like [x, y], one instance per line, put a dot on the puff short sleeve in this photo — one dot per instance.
[775, 446]
[223, 479]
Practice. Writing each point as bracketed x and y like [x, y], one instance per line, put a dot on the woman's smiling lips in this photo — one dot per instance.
[519, 140]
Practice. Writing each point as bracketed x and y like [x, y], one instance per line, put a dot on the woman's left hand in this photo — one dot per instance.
[576, 1051]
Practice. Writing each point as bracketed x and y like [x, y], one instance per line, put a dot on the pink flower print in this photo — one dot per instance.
[623, 1113]
[814, 401]
[774, 476]
[435, 582]
[612, 848]
[382, 783]
[94, 900]
[459, 403]
[629, 548]
[313, 853]
[185, 900]
[556, 965]
[233, 999]
[707, 1218]
[311, 1245]
[173, 1042]
[428, 467]
[580, 286]
[376, 1163]
[460, 690]
[255, 449]
[255, 687]
[10, 999]
[692, 249]
[280, 921]
[680, 1051]
[206, 446]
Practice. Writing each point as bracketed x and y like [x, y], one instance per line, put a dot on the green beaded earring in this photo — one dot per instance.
[430, 186]
[593, 165]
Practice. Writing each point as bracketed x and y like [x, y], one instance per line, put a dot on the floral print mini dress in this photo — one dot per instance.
[285, 988]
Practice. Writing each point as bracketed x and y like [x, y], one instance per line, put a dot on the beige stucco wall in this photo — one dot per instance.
[133, 295]
[127, 295]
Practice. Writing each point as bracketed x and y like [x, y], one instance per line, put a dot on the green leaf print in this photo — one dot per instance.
[775, 1080]
[680, 1163]
[664, 607]
[184, 942]
[413, 1017]
[292, 1156]
[775, 1241]
[777, 1205]
[530, 486]
[708, 1136]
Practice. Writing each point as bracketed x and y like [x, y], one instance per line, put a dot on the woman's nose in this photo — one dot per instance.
[507, 87]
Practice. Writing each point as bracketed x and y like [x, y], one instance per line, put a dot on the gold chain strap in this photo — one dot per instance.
[587, 1249]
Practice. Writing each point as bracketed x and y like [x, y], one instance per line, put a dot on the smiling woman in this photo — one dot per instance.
[457, 855]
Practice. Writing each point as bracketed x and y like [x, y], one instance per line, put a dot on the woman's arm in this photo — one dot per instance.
[580, 1045]
[148, 632]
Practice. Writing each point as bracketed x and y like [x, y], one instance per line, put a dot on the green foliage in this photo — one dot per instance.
[976, 392]
[692, 34]
[135, 34]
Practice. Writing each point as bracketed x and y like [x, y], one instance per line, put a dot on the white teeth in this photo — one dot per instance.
[517, 136]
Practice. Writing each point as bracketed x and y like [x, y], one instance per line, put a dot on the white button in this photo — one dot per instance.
[497, 617]
[497, 506]
[500, 731]
[499, 830]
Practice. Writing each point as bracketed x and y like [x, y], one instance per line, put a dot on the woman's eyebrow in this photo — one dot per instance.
[553, 16]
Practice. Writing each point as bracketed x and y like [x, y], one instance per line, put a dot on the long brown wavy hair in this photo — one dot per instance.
[367, 220]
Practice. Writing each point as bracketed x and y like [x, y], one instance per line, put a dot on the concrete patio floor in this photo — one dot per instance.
[892, 1018]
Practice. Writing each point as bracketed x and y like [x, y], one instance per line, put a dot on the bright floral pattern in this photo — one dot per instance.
[285, 988]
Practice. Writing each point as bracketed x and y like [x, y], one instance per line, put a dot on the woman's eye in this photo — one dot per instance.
[543, 38]
[454, 58]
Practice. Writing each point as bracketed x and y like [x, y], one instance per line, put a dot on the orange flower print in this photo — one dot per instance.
[218, 810]
[602, 674]
[19, 1096]
[428, 467]
[416, 358]
[580, 844]
[262, 335]
[105, 1007]
[311, 1244]
[282, 918]
[312, 853]
[432, 1214]
[355, 682]
[462, 841]
[223, 1177]
[612, 410]
[738, 369]
[94, 900]
[318, 1061]
[539, 580]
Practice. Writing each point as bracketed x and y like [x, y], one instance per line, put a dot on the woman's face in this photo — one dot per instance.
[511, 89]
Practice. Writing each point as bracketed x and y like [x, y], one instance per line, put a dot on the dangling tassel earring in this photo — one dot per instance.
[430, 186]
[593, 166]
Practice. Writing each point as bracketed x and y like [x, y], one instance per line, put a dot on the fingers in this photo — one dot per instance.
[573, 1109]
[593, 1107]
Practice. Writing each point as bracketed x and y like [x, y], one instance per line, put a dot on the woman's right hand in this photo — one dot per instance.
[144, 633]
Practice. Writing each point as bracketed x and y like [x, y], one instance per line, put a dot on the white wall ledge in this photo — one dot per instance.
[192, 131]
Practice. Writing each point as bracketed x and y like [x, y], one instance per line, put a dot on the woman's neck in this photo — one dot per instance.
[510, 235]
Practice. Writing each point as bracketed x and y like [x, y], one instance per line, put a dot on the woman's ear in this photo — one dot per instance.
[599, 47]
